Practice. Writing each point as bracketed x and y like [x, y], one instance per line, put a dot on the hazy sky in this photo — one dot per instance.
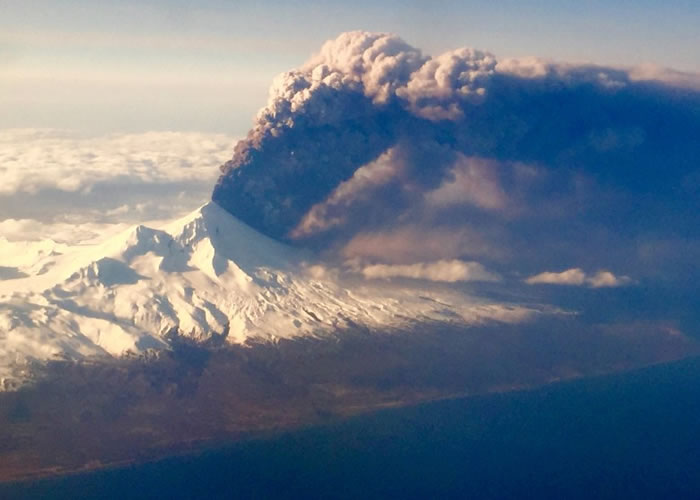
[113, 66]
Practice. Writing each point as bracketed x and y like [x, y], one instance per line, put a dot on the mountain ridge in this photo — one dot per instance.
[200, 275]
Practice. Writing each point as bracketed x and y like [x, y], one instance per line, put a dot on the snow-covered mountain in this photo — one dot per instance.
[207, 273]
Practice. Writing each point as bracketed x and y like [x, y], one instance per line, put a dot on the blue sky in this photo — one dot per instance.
[108, 66]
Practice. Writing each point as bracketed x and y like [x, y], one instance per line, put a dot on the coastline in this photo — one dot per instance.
[203, 447]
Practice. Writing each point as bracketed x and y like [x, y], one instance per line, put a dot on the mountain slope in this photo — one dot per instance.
[203, 274]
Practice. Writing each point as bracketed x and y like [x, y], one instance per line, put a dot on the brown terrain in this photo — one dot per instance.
[81, 416]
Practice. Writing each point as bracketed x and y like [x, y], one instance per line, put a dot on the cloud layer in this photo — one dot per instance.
[60, 185]
[32, 160]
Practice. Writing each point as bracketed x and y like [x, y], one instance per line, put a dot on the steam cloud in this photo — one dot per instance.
[372, 140]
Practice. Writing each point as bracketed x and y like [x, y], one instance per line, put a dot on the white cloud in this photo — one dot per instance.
[607, 279]
[577, 277]
[449, 271]
[568, 277]
[69, 188]
[33, 160]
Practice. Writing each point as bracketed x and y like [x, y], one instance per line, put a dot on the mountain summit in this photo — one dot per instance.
[202, 275]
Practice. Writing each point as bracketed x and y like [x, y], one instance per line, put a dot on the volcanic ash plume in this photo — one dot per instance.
[373, 137]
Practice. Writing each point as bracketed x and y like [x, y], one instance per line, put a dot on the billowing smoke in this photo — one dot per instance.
[372, 140]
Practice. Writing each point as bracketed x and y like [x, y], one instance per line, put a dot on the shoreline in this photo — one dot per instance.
[200, 447]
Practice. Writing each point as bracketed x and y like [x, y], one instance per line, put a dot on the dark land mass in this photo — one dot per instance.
[92, 415]
[630, 435]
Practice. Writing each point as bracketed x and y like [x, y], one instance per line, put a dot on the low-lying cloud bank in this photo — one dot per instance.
[68, 187]
[577, 277]
[32, 160]
[373, 150]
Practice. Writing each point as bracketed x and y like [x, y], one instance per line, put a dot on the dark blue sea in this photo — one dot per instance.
[633, 435]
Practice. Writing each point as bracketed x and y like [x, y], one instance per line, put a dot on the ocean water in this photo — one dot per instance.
[633, 435]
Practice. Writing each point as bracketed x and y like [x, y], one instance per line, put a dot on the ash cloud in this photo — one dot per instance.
[544, 163]
[449, 271]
